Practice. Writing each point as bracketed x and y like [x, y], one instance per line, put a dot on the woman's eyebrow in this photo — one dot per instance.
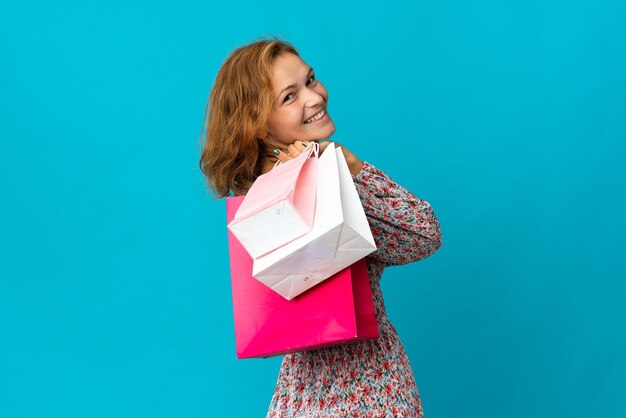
[293, 85]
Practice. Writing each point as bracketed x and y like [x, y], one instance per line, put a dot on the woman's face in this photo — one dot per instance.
[299, 111]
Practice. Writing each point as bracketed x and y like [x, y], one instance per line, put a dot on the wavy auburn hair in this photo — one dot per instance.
[238, 108]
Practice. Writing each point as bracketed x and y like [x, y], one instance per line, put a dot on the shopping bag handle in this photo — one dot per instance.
[314, 150]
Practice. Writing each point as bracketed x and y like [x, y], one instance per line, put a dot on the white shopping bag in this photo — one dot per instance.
[340, 235]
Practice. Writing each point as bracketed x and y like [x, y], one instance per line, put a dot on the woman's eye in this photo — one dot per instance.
[309, 81]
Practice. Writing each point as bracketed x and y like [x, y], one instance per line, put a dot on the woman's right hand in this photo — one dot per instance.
[297, 147]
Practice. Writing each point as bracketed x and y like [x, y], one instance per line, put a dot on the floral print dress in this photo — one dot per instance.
[372, 378]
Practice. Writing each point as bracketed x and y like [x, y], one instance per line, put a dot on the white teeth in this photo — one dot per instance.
[317, 116]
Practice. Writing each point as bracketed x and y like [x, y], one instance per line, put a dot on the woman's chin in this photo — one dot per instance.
[325, 131]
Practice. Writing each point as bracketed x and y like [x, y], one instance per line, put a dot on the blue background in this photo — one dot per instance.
[508, 117]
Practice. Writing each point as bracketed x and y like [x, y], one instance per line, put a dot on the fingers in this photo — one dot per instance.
[293, 150]
[298, 147]
[282, 155]
[302, 145]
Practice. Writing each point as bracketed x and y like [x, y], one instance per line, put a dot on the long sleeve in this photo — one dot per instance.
[405, 228]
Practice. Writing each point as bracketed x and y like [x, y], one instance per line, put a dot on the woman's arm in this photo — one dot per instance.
[405, 228]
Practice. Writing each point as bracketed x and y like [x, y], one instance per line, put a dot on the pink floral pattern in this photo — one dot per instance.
[373, 378]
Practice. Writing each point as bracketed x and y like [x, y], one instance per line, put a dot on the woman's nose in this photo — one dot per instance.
[313, 98]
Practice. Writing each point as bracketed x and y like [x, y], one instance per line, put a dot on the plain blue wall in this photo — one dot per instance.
[508, 117]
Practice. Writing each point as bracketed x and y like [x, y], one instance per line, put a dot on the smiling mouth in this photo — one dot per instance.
[318, 116]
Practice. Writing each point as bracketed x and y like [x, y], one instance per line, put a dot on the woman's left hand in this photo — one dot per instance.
[296, 148]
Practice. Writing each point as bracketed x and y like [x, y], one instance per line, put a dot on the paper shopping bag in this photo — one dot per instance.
[338, 311]
[339, 237]
[279, 206]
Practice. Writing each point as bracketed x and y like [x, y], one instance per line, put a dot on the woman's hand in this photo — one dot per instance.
[295, 149]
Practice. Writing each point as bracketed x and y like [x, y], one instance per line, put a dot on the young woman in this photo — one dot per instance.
[267, 105]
